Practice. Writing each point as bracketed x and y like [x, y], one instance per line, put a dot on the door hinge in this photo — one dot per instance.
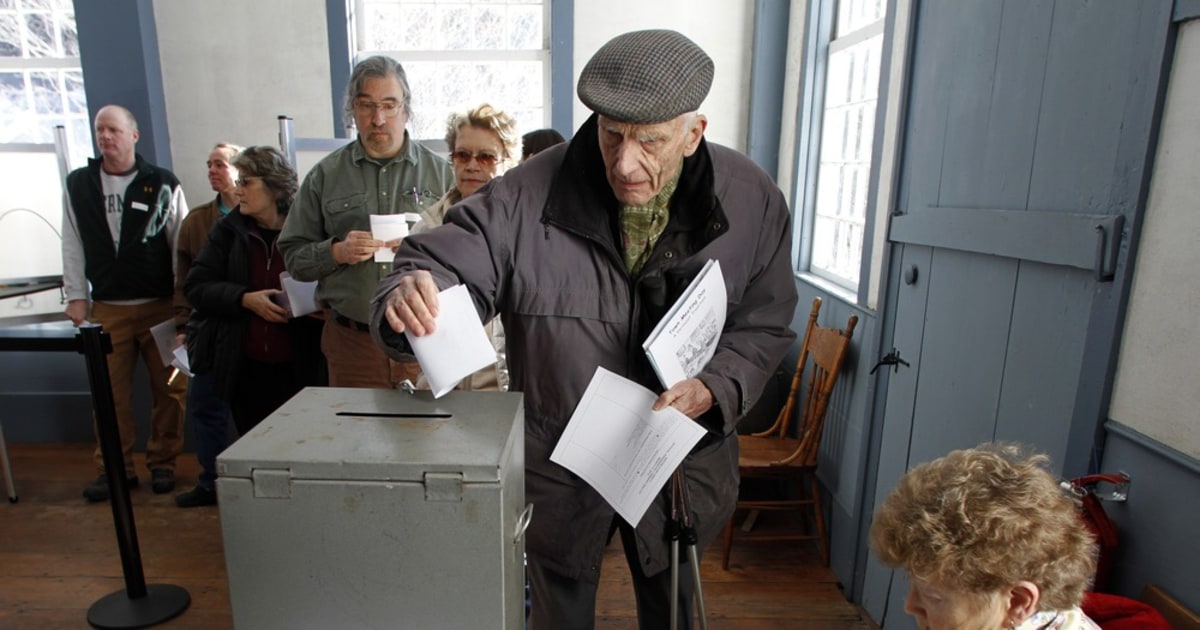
[446, 487]
[271, 483]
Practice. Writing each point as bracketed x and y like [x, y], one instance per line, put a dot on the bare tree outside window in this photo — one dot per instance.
[460, 53]
[41, 84]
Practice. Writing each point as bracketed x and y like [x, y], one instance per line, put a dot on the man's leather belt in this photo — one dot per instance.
[350, 323]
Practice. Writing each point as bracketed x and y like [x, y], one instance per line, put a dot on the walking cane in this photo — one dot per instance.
[681, 526]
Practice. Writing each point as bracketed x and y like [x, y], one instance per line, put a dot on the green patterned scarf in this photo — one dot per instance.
[641, 226]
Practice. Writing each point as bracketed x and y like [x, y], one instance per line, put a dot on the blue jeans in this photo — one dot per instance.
[209, 415]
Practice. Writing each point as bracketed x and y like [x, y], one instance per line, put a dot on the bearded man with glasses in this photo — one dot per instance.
[327, 236]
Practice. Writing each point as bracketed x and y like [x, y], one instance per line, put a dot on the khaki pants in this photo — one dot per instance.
[355, 361]
[129, 329]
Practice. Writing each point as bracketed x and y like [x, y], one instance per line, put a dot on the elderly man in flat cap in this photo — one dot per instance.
[580, 252]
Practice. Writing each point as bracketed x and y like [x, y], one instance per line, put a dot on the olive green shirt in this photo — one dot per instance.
[340, 194]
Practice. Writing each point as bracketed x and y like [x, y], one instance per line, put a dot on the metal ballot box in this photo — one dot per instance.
[362, 508]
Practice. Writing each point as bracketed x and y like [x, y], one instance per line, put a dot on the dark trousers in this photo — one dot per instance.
[560, 602]
[209, 415]
[260, 390]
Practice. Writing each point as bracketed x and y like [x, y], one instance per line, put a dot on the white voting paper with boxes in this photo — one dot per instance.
[614, 440]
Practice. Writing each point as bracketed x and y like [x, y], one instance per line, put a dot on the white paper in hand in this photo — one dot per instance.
[686, 338]
[180, 361]
[624, 449]
[459, 346]
[387, 227]
[299, 298]
[164, 337]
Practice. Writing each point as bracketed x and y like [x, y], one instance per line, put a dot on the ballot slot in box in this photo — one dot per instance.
[361, 508]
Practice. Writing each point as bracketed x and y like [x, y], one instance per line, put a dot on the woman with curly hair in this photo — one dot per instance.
[989, 540]
[258, 355]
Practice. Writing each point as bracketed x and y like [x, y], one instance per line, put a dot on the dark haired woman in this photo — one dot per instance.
[259, 357]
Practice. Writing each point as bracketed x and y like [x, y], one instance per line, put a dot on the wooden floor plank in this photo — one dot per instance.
[58, 556]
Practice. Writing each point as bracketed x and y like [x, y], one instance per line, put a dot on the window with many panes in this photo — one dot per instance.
[838, 216]
[41, 84]
[460, 53]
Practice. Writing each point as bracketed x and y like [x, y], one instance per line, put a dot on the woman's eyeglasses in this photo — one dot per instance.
[485, 159]
[242, 181]
[390, 109]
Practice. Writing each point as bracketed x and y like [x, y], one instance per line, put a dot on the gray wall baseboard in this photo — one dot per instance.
[1157, 523]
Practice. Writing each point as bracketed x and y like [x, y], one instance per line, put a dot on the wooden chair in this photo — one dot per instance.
[773, 454]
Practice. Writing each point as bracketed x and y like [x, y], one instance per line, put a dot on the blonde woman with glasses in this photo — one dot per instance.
[483, 144]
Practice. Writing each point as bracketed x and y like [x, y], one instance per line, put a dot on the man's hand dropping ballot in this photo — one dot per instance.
[458, 345]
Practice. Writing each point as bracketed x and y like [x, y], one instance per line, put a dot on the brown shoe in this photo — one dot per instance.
[98, 490]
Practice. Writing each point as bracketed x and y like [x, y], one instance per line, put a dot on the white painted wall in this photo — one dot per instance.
[230, 68]
[1158, 371]
[722, 28]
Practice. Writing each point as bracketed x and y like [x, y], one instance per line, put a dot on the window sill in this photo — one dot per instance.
[834, 290]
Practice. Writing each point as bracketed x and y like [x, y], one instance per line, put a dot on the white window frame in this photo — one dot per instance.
[541, 56]
[885, 155]
[79, 150]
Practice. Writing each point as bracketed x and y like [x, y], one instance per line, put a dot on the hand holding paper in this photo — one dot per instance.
[685, 339]
[164, 338]
[389, 228]
[180, 361]
[457, 347]
[621, 447]
[300, 298]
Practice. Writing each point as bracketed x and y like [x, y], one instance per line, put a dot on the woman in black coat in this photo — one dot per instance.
[259, 357]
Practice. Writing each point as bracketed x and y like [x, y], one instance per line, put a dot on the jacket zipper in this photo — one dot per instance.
[270, 254]
[631, 345]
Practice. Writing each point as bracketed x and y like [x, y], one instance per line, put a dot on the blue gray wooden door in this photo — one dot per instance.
[1028, 134]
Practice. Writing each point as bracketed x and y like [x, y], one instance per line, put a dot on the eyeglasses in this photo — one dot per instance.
[242, 181]
[485, 159]
[390, 109]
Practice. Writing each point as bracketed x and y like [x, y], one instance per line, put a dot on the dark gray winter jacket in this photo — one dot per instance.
[540, 247]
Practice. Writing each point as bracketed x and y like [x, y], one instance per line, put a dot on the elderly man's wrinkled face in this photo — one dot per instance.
[640, 159]
[941, 608]
[380, 115]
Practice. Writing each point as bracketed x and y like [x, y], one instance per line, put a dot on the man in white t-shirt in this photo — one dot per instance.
[119, 231]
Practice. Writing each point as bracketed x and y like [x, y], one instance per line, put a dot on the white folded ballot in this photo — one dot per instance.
[389, 227]
[458, 347]
[685, 339]
[171, 355]
[299, 298]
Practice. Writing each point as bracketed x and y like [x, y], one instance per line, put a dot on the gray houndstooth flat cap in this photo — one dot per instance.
[646, 77]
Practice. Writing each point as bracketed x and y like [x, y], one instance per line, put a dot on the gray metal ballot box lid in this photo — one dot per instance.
[382, 435]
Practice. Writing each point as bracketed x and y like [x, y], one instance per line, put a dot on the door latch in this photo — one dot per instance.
[893, 359]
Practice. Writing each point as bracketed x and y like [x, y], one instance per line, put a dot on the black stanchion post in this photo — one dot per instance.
[137, 606]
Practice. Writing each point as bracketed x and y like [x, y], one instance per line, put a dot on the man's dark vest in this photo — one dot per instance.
[142, 267]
